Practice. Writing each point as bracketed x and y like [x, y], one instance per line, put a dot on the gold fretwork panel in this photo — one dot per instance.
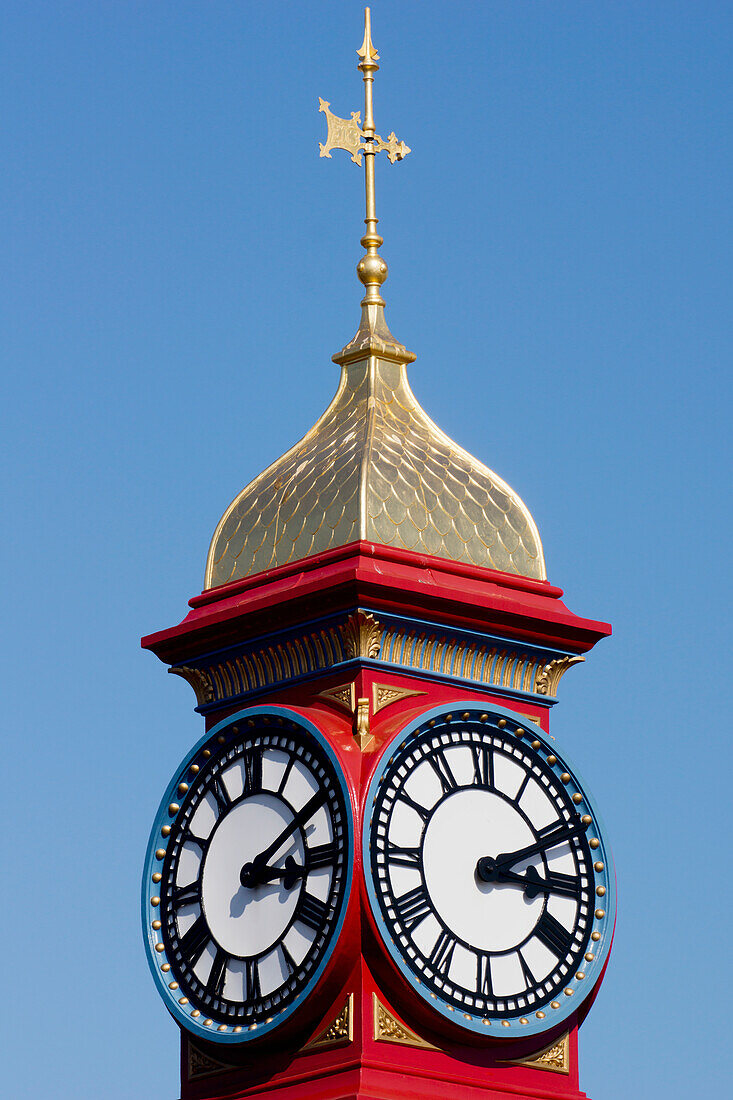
[361, 636]
[388, 1029]
[384, 694]
[343, 696]
[467, 660]
[554, 1058]
[336, 1033]
[203, 1065]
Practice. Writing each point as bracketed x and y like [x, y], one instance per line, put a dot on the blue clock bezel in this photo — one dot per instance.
[152, 937]
[511, 1026]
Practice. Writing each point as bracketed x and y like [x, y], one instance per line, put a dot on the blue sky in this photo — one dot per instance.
[178, 268]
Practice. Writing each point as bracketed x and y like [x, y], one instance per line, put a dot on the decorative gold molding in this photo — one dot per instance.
[554, 1058]
[342, 696]
[202, 1065]
[362, 729]
[198, 680]
[336, 1033]
[388, 1029]
[384, 694]
[362, 635]
[550, 674]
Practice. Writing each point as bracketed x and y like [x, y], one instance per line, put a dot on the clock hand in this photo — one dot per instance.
[251, 873]
[533, 884]
[488, 867]
[289, 873]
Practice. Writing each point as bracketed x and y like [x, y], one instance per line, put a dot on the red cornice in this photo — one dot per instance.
[382, 578]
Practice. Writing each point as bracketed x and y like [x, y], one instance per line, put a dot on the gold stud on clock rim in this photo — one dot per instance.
[580, 975]
[155, 901]
[182, 788]
[594, 842]
[600, 914]
[173, 808]
[540, 1015]
[555, 1004]
[207, 754]
[165, 967]
[160, 947]
[501, 723]
[598, 866]
[600, 890]
[173, 985]
[157, 876]
[586, 819]
[157, 924]
[589, 956]
[551, 760]
[595, 936]
[536, 744]
[194, 768]
[165, 831]
[565, 777]
[195, 1013]
[569, 992]
[577, 798]
[160, 853]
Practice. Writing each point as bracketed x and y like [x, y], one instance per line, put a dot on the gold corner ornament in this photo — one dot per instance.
[554, 1058]
[388, 1029]
[362, 142]
[336, 1032]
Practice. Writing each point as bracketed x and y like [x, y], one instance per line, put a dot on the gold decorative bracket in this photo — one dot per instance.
[338, 1032]
[388, 1029]
[550, 674]
[362, 635]
[362, 728]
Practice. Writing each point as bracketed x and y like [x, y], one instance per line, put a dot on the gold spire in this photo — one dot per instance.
[348, 134]
[374, 467]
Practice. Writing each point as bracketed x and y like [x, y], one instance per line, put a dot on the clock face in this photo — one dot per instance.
[248, 875]
[487, 872]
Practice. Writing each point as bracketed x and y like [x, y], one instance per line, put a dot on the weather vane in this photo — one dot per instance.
[358, 140]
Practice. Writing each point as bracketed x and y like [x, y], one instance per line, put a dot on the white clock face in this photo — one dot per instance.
[482, 874]
[253, 877]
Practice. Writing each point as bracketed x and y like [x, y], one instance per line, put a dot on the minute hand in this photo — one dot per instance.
[300, 818]
[564, 833]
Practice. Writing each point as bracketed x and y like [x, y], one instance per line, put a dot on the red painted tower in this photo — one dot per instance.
[376, 875]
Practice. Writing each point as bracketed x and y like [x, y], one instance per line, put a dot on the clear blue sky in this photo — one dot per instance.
[178, 268]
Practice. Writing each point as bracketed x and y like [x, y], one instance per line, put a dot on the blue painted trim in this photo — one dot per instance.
[593, 970]
[182, 1013]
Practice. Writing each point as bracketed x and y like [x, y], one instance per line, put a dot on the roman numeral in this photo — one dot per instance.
[195, 940]
[484, 988]
[529, 979]
[221, 794]
[217, 974]
[254, 991]
[554, 935]
[441, 767]
[252, 760]
[289, 961]
[413, 907]
[312, 912]
[563, 884]
[442, 954]
[403, 857]
[483, 766]
[404, 797]
[186, 895]
[323, 855]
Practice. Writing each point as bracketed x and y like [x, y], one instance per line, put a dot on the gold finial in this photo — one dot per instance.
[364, 141]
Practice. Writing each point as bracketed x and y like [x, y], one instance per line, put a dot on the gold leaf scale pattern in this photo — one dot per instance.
[376, 468]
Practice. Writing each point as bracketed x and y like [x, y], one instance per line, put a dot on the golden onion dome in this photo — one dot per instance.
[376, 468]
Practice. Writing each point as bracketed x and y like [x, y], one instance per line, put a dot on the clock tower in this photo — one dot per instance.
[377, 874]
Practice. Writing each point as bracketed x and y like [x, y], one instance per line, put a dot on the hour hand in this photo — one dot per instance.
[254, 874]
[532, 882]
